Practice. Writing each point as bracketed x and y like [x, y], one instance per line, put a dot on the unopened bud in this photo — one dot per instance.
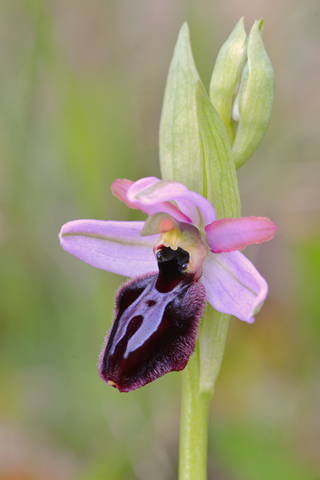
[227, 71]
[253, 104]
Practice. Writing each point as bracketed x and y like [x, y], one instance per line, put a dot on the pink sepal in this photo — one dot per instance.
[113, 246]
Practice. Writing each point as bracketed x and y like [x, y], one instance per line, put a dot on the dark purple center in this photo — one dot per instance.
[156, 324]
[172, 266]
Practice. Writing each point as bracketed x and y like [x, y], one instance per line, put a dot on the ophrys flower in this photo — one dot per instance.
[180, 257]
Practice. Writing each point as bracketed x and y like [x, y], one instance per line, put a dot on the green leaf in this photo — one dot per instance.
[213, 337]
[222, 191]
[219, 169]
[255, 98]
[180, 147]
[226, 74]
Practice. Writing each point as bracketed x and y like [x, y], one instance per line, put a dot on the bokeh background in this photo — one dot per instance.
[81, 90]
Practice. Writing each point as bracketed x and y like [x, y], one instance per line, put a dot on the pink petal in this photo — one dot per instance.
[233, 285]
[113, 246]
[230, 234]
[120, 190]
[190, 203]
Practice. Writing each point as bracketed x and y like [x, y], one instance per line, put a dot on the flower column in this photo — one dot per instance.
[198, 147]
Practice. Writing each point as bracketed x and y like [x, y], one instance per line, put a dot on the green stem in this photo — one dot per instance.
[194, 424]
[212, 342]
[197, 390]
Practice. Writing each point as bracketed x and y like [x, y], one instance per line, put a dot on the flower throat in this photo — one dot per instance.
[172, 266]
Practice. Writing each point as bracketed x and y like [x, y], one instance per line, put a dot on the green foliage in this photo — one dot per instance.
[219, 169]
[243, 448]
[69, 125]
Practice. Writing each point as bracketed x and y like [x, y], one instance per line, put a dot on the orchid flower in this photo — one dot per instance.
[179, 258]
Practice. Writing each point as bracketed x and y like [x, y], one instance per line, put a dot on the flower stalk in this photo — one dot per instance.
[217, 181]
[194, 423]
[198, 382]
[186, 253]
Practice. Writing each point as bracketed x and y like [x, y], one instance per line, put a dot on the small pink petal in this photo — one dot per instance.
[190, 203]
[120, 189]
[233, 285]
[113, 246]
[230, 234]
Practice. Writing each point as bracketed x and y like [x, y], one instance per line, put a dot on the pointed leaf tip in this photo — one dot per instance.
[180, 147]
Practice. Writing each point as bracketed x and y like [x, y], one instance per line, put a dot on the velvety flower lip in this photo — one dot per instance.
[232, 283]
[154, 331]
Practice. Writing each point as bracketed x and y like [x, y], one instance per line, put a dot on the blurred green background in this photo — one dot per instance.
[81, 88]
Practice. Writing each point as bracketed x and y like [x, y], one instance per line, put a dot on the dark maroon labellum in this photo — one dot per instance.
[156, 324]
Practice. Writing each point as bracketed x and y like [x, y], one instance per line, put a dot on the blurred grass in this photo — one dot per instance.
[80, 102]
